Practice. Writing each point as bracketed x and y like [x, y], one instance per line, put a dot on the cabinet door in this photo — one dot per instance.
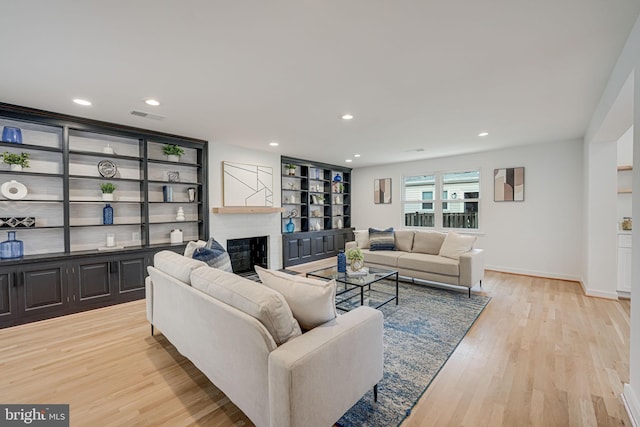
[7, 296]
[330, 244]
[92, 281]
[305, 248]
[131, 273]
[624, 269]
[318, 243]
[42, 290]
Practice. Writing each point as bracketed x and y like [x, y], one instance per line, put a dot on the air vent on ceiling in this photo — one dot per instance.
[147, 115]
[417, 150]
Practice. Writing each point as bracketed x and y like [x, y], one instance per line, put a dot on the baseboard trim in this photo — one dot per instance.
[631, 404]
[533, 273]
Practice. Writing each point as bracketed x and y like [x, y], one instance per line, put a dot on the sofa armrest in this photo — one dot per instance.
[471, 267]
[318, 376]
[148, 286]
[350, 245]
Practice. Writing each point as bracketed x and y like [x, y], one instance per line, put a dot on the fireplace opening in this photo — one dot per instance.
[248, 252]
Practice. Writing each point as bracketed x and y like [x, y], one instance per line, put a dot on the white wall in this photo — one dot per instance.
[540, 236]
[625, 158]
[234, 226]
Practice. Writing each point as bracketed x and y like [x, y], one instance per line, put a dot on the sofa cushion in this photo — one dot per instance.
[176, 265]
[389, 258]
[428, 242]
[404, 240]
[191, 247]
[456, 244]
[429, 263]
[381, 240]
[214, 254]
[252, 298]
[312, 301]
[362, 238]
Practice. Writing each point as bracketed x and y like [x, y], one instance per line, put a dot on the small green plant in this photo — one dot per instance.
[21, 159]
[107, 188]
[355, 254]
[290, 166]
[173, 150]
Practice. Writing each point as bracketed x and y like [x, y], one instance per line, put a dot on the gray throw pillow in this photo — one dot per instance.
[214, 255]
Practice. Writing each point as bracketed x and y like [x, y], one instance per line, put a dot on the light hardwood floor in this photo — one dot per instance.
[540, 354]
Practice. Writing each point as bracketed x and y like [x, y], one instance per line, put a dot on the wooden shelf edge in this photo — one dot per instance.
[624, 191]
[247, 210]
[625, 168]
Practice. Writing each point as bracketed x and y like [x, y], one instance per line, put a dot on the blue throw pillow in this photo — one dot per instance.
[214, 255]
[381, 240]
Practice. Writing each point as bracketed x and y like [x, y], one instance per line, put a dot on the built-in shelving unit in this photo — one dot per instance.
[64, 197]
[317, 201]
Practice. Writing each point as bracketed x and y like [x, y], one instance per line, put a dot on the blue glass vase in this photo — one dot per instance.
[11, 134]
[107, 215]
[11, 248]
[337, 178]
[342, 262]
[290, 227]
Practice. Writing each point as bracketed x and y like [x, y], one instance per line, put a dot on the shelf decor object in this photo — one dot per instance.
[180, 214]
[14, 222]
[13, 190]
[108, 149]
[12, 134]
[107, 189]
[173, 176]
[508, 185]
[192, 194]
[16, 161]
[11, 248]
[107, 168]
[107, 215]
[176, 236]
[247, 185]
[167, 193]
[173, 152]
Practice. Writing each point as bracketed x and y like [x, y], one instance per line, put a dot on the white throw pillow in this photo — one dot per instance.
[456, 244]
[362, 238]
[312, 301]
[192, 246]
[260, 302]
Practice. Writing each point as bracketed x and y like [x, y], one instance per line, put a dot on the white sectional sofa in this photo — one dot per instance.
[428, 255]
[231, 327]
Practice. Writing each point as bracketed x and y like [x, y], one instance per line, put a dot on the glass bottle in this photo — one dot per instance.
[107, 215]
[11, 248]
[290, 226]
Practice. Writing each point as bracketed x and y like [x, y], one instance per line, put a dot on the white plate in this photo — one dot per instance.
[13, 190]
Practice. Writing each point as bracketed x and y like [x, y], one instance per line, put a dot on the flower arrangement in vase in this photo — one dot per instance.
[107, 189]
[17, 161]
[355, 258]
[173, 152]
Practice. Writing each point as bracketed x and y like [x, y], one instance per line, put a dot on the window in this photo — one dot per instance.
[458, 206]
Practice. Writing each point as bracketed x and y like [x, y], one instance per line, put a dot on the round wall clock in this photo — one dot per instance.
[107, 168]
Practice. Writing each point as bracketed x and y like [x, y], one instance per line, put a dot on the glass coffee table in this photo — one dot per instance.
[347, 287]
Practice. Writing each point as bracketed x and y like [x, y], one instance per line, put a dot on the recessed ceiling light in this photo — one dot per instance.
[483, 134]
[152, 102]
[349, 160]
[82, 102]
[273, 144]
[356, 155]
[347, 117]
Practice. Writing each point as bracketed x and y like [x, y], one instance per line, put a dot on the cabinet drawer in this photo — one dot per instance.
[624, 240]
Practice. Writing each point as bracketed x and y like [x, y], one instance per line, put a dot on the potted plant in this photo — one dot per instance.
[356, 259]
[107, 189]
[17, 161]
[291, 168]
[173, 152]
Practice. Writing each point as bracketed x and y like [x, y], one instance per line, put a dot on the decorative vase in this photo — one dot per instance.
[337, 178]
[356, 264]
[175, 236]
[111, 240]
[173, 158]
[12, 134]
[107, 197]
[291, 171]
[107, 215]
[340, 223]
[342, 262]
[167, 193]
[11, 248]
[16, 168]
[290, 227]
[192, 194]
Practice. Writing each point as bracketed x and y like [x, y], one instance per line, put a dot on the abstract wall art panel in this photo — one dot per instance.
[508, 185]
[247, 185]
[382, 191]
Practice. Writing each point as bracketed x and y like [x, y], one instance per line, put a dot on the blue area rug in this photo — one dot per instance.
[419, 336]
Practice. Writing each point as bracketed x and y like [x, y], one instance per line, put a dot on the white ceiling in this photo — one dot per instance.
[415, 74]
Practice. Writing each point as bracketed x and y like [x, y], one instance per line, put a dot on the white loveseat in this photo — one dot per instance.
[428, 255]
[310, 380]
